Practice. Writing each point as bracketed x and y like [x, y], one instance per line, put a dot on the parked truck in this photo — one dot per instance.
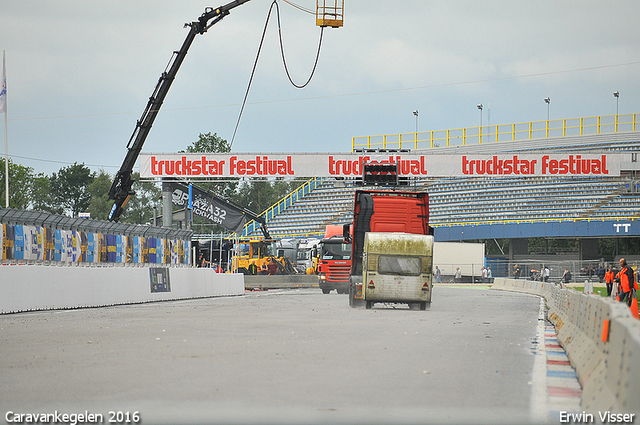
[334, 260]
[307, 261]
[390, 212]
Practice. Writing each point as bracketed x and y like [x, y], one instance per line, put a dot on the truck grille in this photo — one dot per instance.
[337, 273]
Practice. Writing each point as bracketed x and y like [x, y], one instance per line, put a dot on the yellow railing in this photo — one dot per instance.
[500, 133]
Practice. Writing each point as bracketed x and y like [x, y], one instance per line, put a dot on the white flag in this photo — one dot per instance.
[3, 91]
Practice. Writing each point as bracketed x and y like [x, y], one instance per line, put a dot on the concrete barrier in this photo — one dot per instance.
[601, 339]
[32, 287]
[280, 281]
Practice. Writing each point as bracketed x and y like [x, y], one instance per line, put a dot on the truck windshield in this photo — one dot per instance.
[303, 255]
[336, 251]
[404, 266]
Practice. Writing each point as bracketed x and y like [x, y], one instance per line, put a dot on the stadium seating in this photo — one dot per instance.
[473, 200]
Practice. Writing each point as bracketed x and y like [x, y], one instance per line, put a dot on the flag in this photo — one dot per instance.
[3, 91]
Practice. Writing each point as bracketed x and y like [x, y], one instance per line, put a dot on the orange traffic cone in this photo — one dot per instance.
[634, 308]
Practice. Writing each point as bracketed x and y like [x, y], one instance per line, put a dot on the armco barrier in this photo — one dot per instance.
[601, 339]
[28, 288]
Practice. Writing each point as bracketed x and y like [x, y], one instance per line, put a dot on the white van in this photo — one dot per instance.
[397, 269]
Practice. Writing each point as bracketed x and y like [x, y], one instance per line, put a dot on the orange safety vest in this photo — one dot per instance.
[624, 280]
[608, 277]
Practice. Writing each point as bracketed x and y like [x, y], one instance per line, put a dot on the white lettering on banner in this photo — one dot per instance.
[619, 225]
[519, 166]
[410, 164]
[260, 166]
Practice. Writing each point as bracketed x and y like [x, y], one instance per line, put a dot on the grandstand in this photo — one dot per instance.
[490, 200]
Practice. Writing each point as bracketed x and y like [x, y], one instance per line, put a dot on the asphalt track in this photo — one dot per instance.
[285, 356]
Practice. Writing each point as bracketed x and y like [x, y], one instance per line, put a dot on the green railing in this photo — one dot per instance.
[500, 133]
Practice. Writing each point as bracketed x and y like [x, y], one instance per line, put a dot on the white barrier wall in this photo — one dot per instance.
[31, 287]
[602, 340]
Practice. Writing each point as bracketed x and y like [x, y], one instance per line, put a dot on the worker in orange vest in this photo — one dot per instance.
[628, 284]
[608, 279]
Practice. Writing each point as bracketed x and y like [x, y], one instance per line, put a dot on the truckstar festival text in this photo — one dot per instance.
[350, 165]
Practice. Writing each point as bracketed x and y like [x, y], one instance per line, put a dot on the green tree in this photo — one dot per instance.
[211, 143]
[100, 204]
[70, 188]
[259, 194]
[20, 180]
[41, 195]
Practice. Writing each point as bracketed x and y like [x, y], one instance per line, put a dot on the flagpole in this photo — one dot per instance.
[6, 134]
[6, 160]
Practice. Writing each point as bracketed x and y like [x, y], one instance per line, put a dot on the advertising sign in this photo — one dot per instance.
[159, 278]
[19, 242]
[208, 206]
[410, 164]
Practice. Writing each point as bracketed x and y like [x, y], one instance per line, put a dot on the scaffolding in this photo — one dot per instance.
[329, 13]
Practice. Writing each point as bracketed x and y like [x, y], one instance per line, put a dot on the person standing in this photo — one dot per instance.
[628, 283]
[566, 276]
[601, 273]
[608, 280]
[272, 267]
[458, 276]
[545, 274]
[489, 275]
[202, 262]
[438, 275]
[517, 271]
[484, 275]
[253, 269]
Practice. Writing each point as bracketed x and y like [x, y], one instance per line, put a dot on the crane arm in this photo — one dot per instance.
[121, 188]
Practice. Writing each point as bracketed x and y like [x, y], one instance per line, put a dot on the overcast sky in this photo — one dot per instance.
[80, 72]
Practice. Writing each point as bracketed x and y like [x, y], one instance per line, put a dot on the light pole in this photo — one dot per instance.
[616, 94]
[416, 114]
[480, 129]
[547, 100]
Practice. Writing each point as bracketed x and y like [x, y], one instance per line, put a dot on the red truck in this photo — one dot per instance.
[382, 211]
[334, 261]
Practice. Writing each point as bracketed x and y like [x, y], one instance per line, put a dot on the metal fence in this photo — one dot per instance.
[580, 271]
[33, 237]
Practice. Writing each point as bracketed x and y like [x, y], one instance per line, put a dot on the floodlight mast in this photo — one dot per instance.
[121, 188]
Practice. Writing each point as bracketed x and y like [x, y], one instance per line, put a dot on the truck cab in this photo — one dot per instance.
[334, 264]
